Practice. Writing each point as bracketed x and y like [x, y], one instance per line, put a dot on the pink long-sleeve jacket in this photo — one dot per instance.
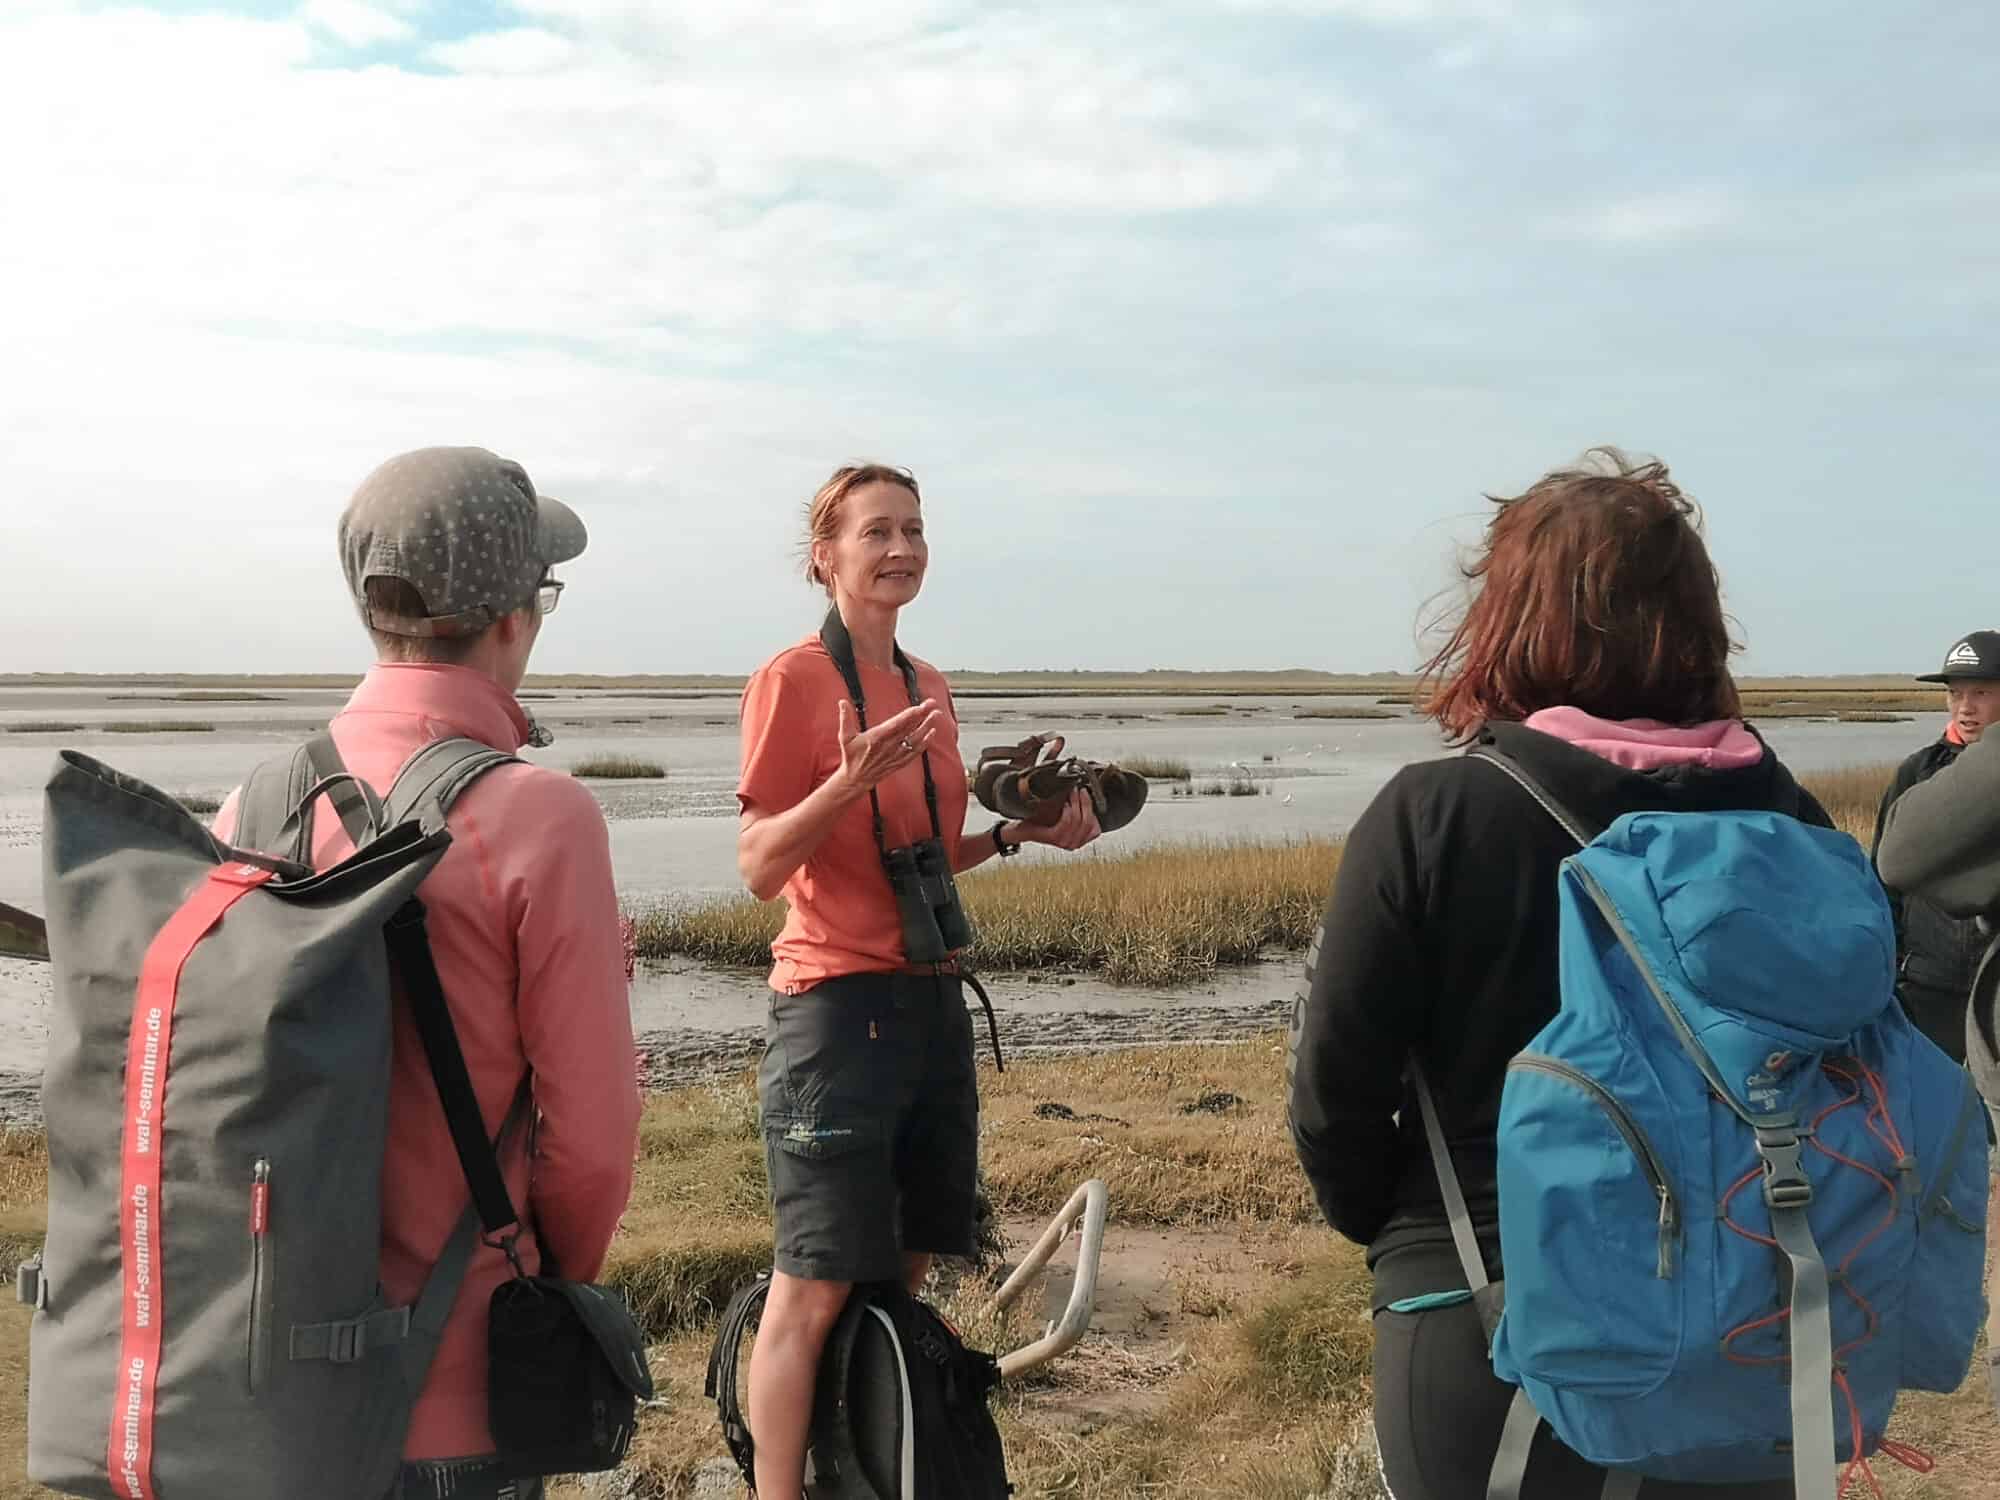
[524, 925]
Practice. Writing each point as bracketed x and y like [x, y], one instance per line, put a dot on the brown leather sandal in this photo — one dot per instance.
[1033, 782]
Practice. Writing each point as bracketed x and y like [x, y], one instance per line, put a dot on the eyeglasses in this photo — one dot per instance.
[548, 596]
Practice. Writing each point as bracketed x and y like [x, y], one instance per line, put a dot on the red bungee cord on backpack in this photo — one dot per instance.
[1861, 1083]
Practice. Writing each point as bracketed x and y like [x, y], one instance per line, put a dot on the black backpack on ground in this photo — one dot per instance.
[900, 1410]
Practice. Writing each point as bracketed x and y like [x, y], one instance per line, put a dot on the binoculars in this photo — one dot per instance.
[934, 923]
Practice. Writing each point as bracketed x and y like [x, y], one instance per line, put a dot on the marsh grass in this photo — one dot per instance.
[158, 726]
[1201, 711]
[1851, 796]
[198, 695]
[201, 804]
[1816, 703]
[1157, 916]
[1872, 716]
[618, 768]
[1155, 768]
[1345, 712]
[1232, 786]
[44, 726]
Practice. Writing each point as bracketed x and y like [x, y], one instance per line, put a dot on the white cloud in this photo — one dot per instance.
[1264, 274]
[355, 22]
[1660, 218]
[953, 183]
[524, 49]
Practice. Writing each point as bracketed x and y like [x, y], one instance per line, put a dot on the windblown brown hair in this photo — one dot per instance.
[823, 511]
[1593, 589]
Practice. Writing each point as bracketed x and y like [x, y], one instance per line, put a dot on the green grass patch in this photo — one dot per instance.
[158, 726]
[618, 768]
[1155, 768]
[44, 726]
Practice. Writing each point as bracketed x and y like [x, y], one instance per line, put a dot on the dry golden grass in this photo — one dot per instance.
[24, 1189]
[1155, 768]
[1851, 796]
[1267, 1397]
[618, 768]
[1158, 916]
[1163, 1165]
[1826, 702]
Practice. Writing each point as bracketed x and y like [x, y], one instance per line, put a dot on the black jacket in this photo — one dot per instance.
[1440, 940]
[1934, 950]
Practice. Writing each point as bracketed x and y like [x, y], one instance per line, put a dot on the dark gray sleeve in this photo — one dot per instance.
[1941, 838]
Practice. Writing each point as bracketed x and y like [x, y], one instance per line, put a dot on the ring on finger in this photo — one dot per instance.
[908, 748]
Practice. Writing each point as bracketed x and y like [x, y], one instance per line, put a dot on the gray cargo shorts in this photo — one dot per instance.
[870, 1109]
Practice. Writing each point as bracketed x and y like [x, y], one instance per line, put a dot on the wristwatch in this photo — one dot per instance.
[1007, 850]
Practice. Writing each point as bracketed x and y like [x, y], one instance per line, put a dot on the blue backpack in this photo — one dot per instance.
[1730, 1165]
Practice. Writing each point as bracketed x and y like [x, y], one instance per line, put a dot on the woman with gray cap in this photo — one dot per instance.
[853, 804]
[1937, 953]
[449, 556]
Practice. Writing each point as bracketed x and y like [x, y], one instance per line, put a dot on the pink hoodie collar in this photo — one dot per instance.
[1649, 745]
[465, 701]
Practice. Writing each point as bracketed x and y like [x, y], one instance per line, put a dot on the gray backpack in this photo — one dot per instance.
[208, 1320]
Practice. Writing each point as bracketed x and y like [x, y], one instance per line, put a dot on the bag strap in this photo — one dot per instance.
[839, 645]
[1488, 1296]
[436, 777]
[720, 1386]
[410, 952]
[1583, 830]
[269, 796]
[351, 799]
[434, 1303]
[427, 786]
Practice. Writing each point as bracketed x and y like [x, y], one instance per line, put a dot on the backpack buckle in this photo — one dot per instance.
[347, 1344]
[1786, 1185]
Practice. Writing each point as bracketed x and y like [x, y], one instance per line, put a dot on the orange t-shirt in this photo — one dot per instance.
[842, 917]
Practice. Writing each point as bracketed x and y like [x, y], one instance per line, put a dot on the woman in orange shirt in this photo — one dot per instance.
[853, 802]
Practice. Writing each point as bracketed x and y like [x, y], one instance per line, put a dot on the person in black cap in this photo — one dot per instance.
[1937, 953]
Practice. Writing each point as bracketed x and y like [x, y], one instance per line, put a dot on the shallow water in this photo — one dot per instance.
[675, 839]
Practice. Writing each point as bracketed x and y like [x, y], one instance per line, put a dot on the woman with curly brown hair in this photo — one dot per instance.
[1594, 654]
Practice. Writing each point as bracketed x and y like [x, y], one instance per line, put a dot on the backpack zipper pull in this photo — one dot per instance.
[1669, 1227]
[260, 1198]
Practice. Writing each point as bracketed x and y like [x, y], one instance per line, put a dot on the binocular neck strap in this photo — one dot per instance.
[840, 646]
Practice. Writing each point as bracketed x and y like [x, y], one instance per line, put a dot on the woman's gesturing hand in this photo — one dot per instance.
[867, 757]
[1076, 827]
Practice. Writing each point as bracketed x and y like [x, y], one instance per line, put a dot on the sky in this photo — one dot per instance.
[1205, 324]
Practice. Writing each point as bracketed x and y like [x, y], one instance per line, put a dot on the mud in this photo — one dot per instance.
[694, 1023]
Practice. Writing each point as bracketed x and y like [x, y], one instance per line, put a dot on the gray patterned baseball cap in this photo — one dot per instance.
[461, 526]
